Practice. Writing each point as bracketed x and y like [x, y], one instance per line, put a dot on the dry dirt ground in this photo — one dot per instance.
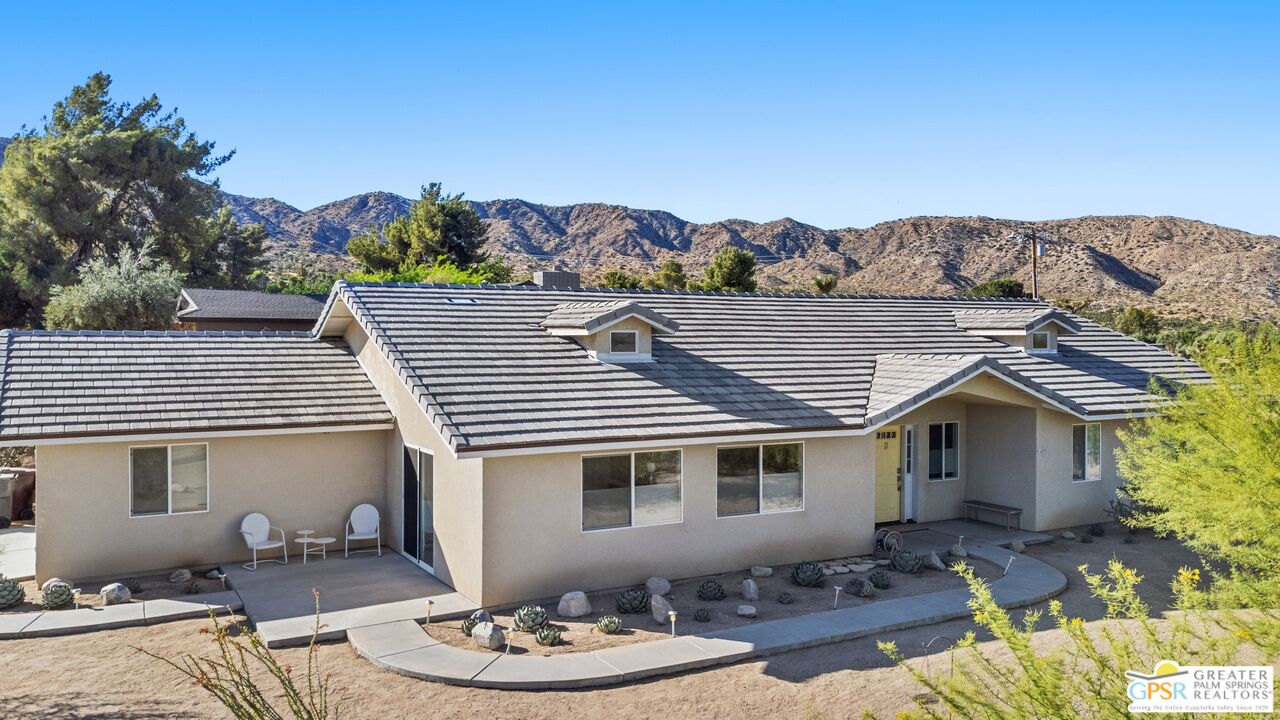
[580, 635]
[154, 587]
[98, 675]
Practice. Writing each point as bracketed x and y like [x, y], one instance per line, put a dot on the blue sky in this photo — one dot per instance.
[835, 114]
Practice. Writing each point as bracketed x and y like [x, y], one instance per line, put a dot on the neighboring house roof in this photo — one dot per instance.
[75, 384]
[203, 304]
[591, 317]
[490, 377]
[1022, 320]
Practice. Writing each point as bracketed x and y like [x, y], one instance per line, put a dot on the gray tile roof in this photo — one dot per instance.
[591, 316]
[489, 376]
[248, 305]
[1019, 319]
[66, 384]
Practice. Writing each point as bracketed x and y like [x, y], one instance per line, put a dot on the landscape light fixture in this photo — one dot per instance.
[836, 604]
[672, 615]
[75, 594]
[430, 602]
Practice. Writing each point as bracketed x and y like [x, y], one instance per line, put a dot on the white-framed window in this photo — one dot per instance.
[944, 452]
[758, 479]
[1086, 452]
[632, 489]
[168, 479]
[624, 342]
[1042, 341]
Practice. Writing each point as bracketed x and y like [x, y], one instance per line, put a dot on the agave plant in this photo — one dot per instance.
[880, 579]
[702, 615]
[57, 595]
[785, 599]
[808, 574]
[530, 618]
[468, 625]
[634, 600]
[710, 591]
[191, 588]
[547, 636]
[11, 592]
[905, 561]
[609, 624]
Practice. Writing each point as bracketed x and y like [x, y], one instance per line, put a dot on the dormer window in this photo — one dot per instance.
[619, 331]
[1034, 330]
[624, 341]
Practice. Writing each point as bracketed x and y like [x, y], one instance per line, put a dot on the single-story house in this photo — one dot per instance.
[521, 441]
[206, 309]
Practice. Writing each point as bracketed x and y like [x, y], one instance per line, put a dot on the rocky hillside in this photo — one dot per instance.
[1178, 266]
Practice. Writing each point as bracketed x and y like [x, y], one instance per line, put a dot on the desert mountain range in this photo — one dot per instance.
[1175, 265]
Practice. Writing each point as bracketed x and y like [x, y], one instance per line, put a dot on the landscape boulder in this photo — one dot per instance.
[935, 562]
[750, 591]
[180, 575]
[115, 594]
[1017, 546]
[760, 571]
[958, 550]
[488, 635]
[482, 615]
[660, 607]
[574, 604]
[746, 611]
[213, 574]
[1068, 535]
[657, 586]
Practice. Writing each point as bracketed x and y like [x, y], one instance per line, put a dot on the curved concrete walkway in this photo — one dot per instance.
[405, 647]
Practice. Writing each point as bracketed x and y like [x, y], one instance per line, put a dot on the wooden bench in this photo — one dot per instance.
[978, 506]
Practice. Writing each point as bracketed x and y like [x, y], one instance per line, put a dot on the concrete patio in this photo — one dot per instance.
[924, 538]
[361, 590]
[18, 552]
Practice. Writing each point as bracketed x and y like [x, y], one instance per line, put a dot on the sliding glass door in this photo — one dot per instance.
[419, 499]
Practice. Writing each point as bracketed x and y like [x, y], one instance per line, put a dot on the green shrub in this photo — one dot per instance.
[609, 624]
[808, 574]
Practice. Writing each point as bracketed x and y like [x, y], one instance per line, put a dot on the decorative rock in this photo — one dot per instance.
[574, 604]
[882, 562]
[1068, 535]
[750, 591]
[115, 594]
[761, 571]
[660, 607]
[862, 567]
[488, 635]
[958, 550]
[935, 562]
[482, 616]
[213, 574]
[1017, 546]
[840, 569]
[180, 575]
[51, 581]
[861, 587]
[657, 586]
[746, 611]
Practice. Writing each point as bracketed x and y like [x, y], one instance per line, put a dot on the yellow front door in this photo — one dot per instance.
[889, 474]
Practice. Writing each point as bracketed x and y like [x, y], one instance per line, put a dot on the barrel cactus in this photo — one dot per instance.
[785, 599]
[57, 595]
[906, 561]
[808, 574]
[11, 592]
[634, 600]
[469, 624]
[547, 636]
[880, 579]
[133, 584]
[609, 624]
[702, 615]
[710, 591]
[530, 618]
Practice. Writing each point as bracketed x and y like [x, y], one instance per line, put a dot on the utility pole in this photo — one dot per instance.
[1037, 249]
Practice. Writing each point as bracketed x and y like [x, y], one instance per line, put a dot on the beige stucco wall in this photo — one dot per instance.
[304, 481]
[1002, 461]
[534, 545]
[938, 499]
[459, 492]
[1059, 501]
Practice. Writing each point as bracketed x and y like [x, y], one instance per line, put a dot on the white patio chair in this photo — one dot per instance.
[364, 524]
[256, 531]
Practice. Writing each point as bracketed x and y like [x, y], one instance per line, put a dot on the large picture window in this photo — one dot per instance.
[630, 490]
[944, 455]
[1086, 452]
[168, 479]
[759, 479]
